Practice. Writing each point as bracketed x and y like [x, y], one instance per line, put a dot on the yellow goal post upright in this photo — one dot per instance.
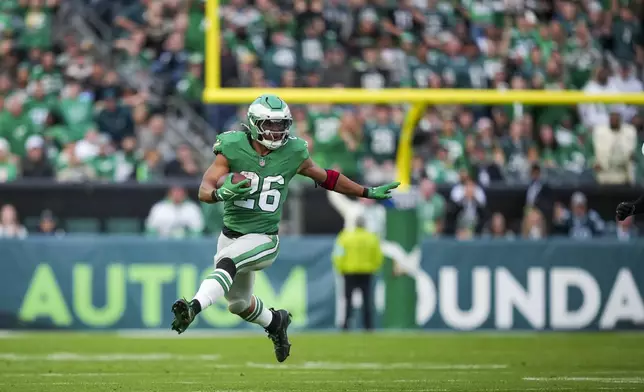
[418, 99]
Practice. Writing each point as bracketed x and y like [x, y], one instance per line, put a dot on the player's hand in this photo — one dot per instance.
[382, 192]
[229, 191]
[624, 210]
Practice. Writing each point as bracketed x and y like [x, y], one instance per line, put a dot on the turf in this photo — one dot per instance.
[398, 362]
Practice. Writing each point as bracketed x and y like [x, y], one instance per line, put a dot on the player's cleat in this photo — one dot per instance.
[183, 315]
[279, 336]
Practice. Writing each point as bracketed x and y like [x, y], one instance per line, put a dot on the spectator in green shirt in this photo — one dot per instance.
[431, 209]
[191, 85]
[8, 169]
[77, 110]
[15, 125]
[37, 26]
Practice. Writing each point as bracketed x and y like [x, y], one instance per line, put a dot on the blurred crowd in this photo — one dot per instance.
[65, 115]
[68, 116]
[546, 45]
[465, 214]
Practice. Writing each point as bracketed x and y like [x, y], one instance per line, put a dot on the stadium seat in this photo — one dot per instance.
[82, 225]
[123, 226]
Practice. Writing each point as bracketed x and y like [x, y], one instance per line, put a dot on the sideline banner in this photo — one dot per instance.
[130, 282]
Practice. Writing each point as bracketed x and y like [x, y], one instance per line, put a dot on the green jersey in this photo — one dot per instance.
[325, 131]
[8, 171]
[430, 213]
[78, 114]
[16, 130]
[381, 140]
[37, 29]
[104, 167]
[38, 110]
[419, 70]
[581, 59]
[442, 172]
[269, 177]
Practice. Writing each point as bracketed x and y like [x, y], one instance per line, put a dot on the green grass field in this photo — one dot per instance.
[398, 362]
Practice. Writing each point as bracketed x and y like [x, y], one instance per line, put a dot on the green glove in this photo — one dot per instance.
[381, 192]
[229, 191]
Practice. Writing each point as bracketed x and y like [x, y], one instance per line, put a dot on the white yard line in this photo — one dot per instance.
[107, 357]
[375, 366]
[612, 380]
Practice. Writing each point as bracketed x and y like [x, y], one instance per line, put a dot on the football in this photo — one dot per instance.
[237, 178]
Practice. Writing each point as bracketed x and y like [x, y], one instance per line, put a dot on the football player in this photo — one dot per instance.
[269, 157]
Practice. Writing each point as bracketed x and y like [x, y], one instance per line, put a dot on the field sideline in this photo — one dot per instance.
[136, 361]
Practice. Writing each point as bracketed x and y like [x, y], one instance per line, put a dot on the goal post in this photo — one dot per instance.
[417, 99]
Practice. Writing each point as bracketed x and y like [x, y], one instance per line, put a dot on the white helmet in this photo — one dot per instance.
[269, 121]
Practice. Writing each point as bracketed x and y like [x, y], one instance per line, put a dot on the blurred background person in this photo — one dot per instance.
[431, 210]
[539, 193]
[467, 208]
[357, 257]
[372, 212]
[615, 144]
[175, 217]
[36, 163]
[8, 167]
[579, 222]
[626, 230]
[48, 224]
[496, 228]
[10, 226]
[534, 226]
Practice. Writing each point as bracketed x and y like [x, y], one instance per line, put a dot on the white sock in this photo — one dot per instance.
[215, 286]
[260, 314]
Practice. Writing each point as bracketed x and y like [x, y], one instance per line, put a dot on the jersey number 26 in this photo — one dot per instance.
[269, 199]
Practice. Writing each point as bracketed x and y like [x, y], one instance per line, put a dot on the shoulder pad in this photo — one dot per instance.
[226, 139]
[300, 147]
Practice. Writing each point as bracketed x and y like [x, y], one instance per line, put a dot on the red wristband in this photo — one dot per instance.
[331, 179]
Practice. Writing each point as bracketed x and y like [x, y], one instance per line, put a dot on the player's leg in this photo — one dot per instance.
[213, 287]
[243, 303]
[236, 256]
[240, 254]
[275, 322]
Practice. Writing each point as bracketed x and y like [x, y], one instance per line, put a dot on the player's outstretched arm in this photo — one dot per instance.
[209, 181]
[627, 208]
[334, 181]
